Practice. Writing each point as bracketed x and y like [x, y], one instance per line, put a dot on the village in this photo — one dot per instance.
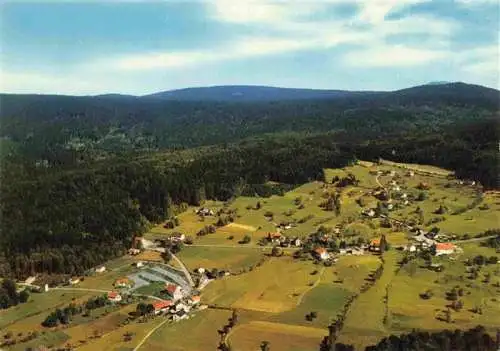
[293, 261]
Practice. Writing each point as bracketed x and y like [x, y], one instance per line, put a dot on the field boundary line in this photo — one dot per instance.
[149, 334]
[316, 283]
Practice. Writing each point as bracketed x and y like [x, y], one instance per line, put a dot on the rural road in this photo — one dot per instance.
[299, 301]
[149, 334]
[105, 291]
[474, 239]
[255, 247]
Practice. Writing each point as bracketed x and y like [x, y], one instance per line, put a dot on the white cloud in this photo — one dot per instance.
[391, 56]
[477, 3]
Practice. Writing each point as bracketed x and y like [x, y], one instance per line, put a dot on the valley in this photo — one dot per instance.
[261, 277]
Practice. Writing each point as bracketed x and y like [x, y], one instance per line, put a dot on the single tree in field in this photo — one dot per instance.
[141, 309]
[383, 244]
[264, 346]
[276, 251]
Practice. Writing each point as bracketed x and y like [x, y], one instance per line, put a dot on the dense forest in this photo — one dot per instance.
[82, 175]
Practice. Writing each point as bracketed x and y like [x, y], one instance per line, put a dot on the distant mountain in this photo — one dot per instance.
[438, 83]
[251, 93]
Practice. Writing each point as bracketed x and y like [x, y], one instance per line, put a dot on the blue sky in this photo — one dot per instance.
[137, 47]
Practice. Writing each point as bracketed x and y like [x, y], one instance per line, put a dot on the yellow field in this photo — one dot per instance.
[274, 287]
[282, 337]
[199, 333]
[364, 323]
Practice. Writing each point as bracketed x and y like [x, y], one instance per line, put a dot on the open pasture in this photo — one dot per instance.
[281, 337]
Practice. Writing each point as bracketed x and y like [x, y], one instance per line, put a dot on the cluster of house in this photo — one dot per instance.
[282, 240]
[424, 241]
[180, 304]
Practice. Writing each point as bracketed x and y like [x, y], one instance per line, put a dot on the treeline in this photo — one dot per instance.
[64, 316]
[476, 339]
[71, 221]
[9, 295]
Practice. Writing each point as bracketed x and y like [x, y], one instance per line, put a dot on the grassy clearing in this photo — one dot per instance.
[199, 333]
[282, 337]
[220, 257]
[51, 338]
[29, 315]
[364, 323]
[274, 287]
[410, 311]
[106, 279]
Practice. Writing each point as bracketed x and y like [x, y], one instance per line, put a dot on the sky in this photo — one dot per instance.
[140, 47]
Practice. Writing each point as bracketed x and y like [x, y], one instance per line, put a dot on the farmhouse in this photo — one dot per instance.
[321, 253]
[296, 242]
[375, 245]
[410, 174]
[134, 251]
[139, 264]
[161, 306]
[73, 281]
[174, 290]
[177, 237]
[205, 212]
[274, 237]
[193, 300]
[123, 283]
[100, 269]
[113, 296]
[445, 249]
[369, 213]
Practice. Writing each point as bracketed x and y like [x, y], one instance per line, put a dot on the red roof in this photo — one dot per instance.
[375, 242]
[275, 235]
[195, 298]
[445, 246]
[162, 304]
[320, 250]
[171, 288]
[113, 295]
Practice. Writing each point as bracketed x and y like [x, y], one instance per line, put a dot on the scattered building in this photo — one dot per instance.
[194, 300]
[200, 270]
[123, 283]
[174, 290]
[114, 296]
[139, 264]
[321, 253]
[369, 213]
[445, 248]
[410, 174]
[205, 212]
[162, 306]
[73, 281]
[100, 269]
[177, 237]
[274, 237]
[296, 242]
[134, 251]
[374, 245]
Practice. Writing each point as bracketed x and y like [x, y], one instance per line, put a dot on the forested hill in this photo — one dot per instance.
[81, 175]
[253, 93]
[54, 128]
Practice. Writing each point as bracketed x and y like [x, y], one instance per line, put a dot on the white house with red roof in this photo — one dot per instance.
[114, 296]
[174, 290]
[161, 306]
[445, 248]
[193, 300]
[321, 253]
